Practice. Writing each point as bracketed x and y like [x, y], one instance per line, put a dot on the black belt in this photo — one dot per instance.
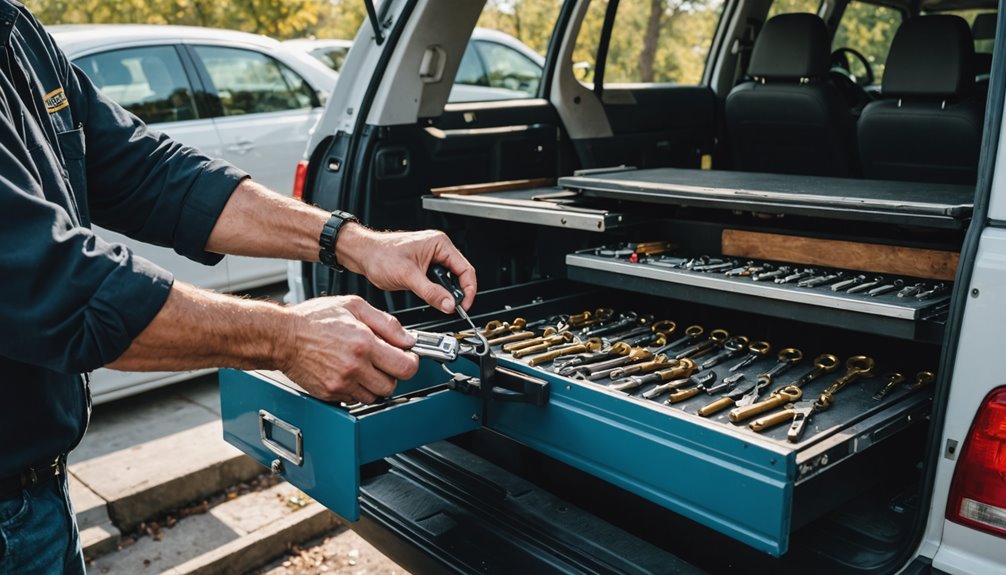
[11, 487]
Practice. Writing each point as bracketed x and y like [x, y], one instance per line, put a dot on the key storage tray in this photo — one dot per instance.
[754, 487]
[904, 318]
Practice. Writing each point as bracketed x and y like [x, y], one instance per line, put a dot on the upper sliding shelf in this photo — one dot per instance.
[903, 203]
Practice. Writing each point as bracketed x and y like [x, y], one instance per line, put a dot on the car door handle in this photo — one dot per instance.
[241, 147]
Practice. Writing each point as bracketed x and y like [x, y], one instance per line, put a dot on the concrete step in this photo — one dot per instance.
[146, 455]
[235, 536]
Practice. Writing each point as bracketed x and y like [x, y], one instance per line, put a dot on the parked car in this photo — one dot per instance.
[495, 65]
[541, 472]
[242, 97]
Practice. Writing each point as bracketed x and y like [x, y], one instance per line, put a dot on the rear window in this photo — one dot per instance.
[793, 6]
[651, 42]
[868, 29]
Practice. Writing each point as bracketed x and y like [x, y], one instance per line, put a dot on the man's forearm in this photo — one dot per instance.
[260, 223]
[198, 328]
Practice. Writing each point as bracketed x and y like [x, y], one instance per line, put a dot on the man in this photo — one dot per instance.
[72, 303]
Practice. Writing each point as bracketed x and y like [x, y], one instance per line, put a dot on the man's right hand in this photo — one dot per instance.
[343, 349]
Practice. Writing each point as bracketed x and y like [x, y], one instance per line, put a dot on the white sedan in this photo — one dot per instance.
[241, 97]
[495, 65]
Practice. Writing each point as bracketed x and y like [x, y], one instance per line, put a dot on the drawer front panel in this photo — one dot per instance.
[740, 488]
[320, 446]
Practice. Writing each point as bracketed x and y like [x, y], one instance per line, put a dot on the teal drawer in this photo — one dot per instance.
[319, 447]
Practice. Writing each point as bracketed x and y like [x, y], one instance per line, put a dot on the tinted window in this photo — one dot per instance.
[149, 82]
[252, 83]
[470, 70]
[333, 57]
[509, 69]
[869, 29]
[651, 42]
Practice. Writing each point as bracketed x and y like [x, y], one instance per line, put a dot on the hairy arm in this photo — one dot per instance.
[261, 223]
[337, 348]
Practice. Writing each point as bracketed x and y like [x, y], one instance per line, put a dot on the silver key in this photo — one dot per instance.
[844, 285]
[820, 280]
[436, 346]
[867, 285]
[897, 284]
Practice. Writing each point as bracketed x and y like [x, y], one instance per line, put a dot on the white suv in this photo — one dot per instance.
[595, 478]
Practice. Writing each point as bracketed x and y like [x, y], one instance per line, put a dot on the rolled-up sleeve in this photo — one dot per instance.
[70, 301]
[144, 184]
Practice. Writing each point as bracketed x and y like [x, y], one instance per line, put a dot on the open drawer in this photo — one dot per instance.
[754, 487]
[319, 446]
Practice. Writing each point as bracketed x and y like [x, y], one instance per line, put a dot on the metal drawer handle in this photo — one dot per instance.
[295, 457]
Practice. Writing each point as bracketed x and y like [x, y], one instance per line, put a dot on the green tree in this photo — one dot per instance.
[277, 18]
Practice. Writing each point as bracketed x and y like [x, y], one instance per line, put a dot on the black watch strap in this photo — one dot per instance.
[329, 235]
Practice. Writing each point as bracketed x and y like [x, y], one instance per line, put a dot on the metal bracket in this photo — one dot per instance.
[510, 385]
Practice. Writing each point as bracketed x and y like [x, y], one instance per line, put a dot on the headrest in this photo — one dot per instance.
[984, 26]
[113, 73]
[791, 46]
[931, 56]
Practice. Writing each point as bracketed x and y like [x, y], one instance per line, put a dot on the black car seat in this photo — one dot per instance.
[790, 118]
[928, 126]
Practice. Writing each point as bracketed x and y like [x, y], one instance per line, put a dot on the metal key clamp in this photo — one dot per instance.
[493, 381]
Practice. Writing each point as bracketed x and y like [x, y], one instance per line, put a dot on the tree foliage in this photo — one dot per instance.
[652, 40]
[278, 18]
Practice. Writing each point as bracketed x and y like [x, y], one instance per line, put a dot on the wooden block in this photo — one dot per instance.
[472, 189]
[876, 258]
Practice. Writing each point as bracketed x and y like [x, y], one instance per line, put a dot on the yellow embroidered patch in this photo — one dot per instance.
[56, 100]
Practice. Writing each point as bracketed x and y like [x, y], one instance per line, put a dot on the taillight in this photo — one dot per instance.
[299, 177]
[978, 491]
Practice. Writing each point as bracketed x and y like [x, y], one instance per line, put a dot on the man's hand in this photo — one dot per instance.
[260, 223]
[342, 349]
[399, 260]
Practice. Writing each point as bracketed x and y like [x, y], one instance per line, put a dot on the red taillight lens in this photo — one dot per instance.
[299, 177]
[978, 491]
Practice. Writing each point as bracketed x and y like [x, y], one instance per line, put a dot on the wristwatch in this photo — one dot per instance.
[329, 234]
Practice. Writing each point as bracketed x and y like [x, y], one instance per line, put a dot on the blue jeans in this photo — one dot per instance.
[38, 532]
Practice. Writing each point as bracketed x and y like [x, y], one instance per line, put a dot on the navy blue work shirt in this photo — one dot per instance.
[71, 302]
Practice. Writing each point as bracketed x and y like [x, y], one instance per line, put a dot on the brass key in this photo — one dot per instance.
[692, 333]
[715, 339]
[604, 369]
[731, 348]
[683, 369]
[567, 364]
[922, 379]
[824, 363]
[512, 337]
[891, 381]
[787, 357]
[528, 347]
[778, 398]
[589, 345]
[855, 367]
[658, 362]
[756, 350]
[600, 315]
